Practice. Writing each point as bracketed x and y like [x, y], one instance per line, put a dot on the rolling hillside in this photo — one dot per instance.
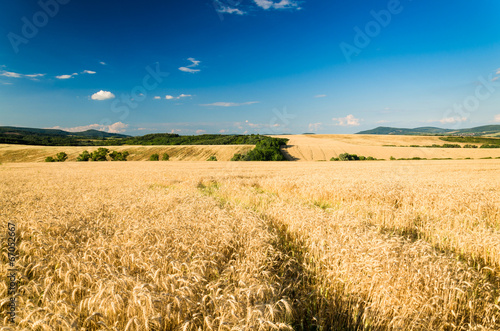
[23, 153]
[485, 130]
[92, 134]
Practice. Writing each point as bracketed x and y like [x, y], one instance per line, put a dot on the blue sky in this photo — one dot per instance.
[249, 66]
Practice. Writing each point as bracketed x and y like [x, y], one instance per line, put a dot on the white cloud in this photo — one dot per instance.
[191, 71]
[349, 120]
[89, 72]
[103, 95]
[253, 125]
[34, 75]
[117, 127]
[497, 118]
[229, 104]
[188, 68]
[222, 131]
[67, 76]
[282, 4]
[103, 63]
[11, 74]
[157, 98]
[313, 127]
[18, 75]
[200, 131]
[320, 96]
[171, 97]
[223, 9]
[195, 62]
[494, 79]
[452, 120]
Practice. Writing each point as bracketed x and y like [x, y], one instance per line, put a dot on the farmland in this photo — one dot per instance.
[298, 148]
[324, 147]
[246, 245]
[25, 153]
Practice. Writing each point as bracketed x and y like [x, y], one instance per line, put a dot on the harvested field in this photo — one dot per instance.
[409, 245]
[324, 147]
[24, 153]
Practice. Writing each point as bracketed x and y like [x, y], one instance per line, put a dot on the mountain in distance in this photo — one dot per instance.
[88, 134]
[485, 130]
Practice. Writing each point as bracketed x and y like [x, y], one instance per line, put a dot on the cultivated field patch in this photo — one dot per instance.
[408, 245]
[324, 147]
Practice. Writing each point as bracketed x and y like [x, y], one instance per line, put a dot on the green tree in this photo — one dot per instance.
[61, 157]
[238, 157]
[49, 159]
[212, 158]
[100, 154]
[118, 156]
[165, 157]
[154, 157]
[85, 156]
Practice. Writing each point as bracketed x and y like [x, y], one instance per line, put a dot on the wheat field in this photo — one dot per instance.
[298, 148]
[407, 245]
[25, 153]
[325, 146]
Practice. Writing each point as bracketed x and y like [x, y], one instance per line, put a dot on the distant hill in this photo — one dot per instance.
[53, 137]
[426, 131]
[89, 134]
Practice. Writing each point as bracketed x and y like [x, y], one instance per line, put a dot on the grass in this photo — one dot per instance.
[232, 246]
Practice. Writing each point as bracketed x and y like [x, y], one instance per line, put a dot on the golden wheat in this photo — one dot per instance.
[237, 245]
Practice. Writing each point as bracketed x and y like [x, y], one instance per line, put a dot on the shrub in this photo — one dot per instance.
[266, 150]
[61, 157]
[489, 146]
[100, 154]
[238, 157]
[154, 157]
[212, 158]
[85, 156]
[165, 157]
[118, 156]
[393, 158]
[452, 146]
[352, 157]
[470, 146]
[348, 157]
